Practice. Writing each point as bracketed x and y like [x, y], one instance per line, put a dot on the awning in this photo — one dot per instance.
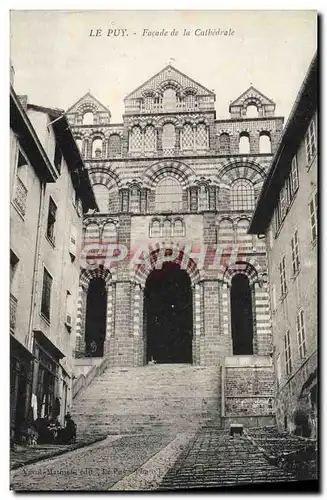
[46, 343]
[18, 349]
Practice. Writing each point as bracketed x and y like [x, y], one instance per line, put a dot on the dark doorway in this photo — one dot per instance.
[168, 315]
[241, 312]
[96, 313]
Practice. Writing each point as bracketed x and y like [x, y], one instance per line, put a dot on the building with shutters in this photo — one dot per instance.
[176, 181]
[287, 213]
[49, 190]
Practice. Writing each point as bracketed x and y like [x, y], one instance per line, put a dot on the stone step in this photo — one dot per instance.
[138, 399]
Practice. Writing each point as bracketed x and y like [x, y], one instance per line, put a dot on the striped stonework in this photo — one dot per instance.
[158, 171]
[80, 320]
[85, 277]
[136, 309]
[197, 309]
[262, 319]
[225, 294]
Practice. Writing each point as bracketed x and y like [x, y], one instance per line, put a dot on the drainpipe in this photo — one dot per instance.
[35, 268]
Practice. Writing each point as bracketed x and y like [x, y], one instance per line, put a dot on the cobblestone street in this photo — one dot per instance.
[158, 461]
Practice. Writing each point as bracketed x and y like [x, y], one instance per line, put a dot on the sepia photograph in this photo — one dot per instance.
[163, 207]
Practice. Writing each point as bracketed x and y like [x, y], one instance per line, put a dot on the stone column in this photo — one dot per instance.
[110, 317]
[80, 322]
[159, 140]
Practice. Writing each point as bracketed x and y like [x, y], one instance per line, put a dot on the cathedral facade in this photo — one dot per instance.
[176, 188]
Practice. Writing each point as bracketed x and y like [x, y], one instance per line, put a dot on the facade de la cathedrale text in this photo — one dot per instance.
[163, 316]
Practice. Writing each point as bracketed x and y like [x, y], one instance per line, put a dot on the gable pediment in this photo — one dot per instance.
[88, 102]
[252, 94]
[169, 76]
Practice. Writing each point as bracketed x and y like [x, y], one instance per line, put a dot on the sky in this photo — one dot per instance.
[56, 61]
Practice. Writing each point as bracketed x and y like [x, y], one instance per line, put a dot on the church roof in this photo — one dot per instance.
[249, 94]
[88, 97]
[169, 73]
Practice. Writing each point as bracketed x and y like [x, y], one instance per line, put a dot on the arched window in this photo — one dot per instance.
[202, 198]
[134, 200]
[109, 233]
[225, 232]
[179, 228]
[190, 101]
[201, 136]
[96, 313]
[244, 144]
[88, 118]
[168, 136]
[224, 143]
[79, 143]
[241, 314]
[242, 231]
[114, 145]
[136, 139]
[252, 111]
[188, 136]
[97, 148]
[148, 102]
[155, 229]
[169, 195]
[242, 195]
[166, 229]
[265, 143]
[101, 193]
[92, 234]
[150, 138]
[169, 100]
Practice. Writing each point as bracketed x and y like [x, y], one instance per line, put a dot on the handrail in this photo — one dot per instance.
[83, 381]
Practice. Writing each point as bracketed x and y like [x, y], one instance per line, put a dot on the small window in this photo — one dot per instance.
[265, 143]
[282, 274]
[69, 310]
[46, 294]
[13, 265]
[88, 118]
[73, 241]
[52, 214]
[310, 142]
[313, 217]
[295, 253]
[155, 229]
[288, 353]
[252, 111]
[301, 334]
[278, 368]
[294, 176]
[58, 157]
[244, 143]
[203, 198]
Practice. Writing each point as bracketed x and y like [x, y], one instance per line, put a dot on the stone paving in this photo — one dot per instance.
[161, 461]
[94, 468]
[215, 459]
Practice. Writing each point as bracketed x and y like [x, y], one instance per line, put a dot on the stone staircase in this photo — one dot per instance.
[162, 396]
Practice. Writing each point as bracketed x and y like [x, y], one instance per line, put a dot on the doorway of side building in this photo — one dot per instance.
[168, 315]
[241, 314]
[96, 313]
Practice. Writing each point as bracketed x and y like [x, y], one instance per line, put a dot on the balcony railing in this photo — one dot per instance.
[13, 310]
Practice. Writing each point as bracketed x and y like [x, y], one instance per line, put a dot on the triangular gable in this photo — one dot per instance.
[250, 93]
[86, 98]
[169, 73]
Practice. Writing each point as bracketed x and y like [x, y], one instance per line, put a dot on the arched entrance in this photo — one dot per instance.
[168, 318]
[96, 313]
[241, 314]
